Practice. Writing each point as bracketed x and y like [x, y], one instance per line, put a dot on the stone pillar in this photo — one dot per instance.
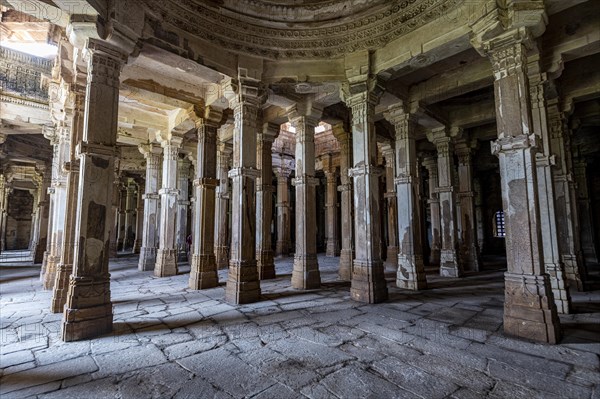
[113, 220]
[121, 232]
[479, 214]
[44, 214]
[88, 311]
[544, 160]
[130, 209]
[59, 188]
[283, 245]
[67, 256]
[569, 240]
[450, 263]
[469, 249]
[430, 163]
[305, 274]
[222, 207]
[347, 214]
[51, 205]
[368, 278]
[264, 201]
[5, 191]
[183, 206]
[392, 206]
[166, 255]
[585, 211]
[411, 271]
[246, 99]
[34, 218]
[203, 272]
[331, 222]
[139, 216]
[529, 309]
[151, 198]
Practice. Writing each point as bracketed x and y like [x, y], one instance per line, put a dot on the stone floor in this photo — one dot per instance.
[170, 341]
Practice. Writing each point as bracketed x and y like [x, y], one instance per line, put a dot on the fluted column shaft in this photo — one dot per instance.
[222, 207]
[183, 206]
[264, 201]
[284, 221]
[88, 311]
[151, 200]
[529, 309]
[347, 214]
[469, 248]
[368, 279]
[305, 274]
[166, 255]
[243, 284]
[203, 272]
[411, 272]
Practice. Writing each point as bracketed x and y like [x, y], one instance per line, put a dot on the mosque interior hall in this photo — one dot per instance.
[300, 199]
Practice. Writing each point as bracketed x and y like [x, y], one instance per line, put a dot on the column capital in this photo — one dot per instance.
[270, 132]
[511, 144]
[404, 122]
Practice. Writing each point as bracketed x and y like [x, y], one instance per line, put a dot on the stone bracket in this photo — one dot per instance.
[93, 149]
[305, 180]
[366, 170]
[521, 142]
[151, 196]
[244, 172]
[169, 191]
[206, 182]
[344, 187]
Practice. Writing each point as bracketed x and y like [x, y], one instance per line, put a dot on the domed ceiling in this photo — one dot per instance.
[299, 29]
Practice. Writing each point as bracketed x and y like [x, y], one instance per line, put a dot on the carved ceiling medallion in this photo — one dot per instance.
[299, 30]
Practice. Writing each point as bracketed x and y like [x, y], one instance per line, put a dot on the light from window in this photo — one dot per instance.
[499, 226]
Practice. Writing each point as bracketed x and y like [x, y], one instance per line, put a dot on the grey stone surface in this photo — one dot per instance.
[169, 341]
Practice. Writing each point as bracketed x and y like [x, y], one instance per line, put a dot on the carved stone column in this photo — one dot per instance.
[5, 190]
[264, 201]
[139, 216]
[65, 266]
[368, 278]
[529, 309]
[283, 245]
[44, 214]
[305, 274]
[585, 211]
[166, 255]
[222, 207]
[392, 206]
[114, 213]
[88, 311]
[469, 249]
[151, 217]
[34, 218]
[130, 209]
[479, 214]
[450, 263]
[331, 224]
[183, 206]
[430, 163]
[347, 214]
[203, 272]
[567, 214]
[246, 99]
[121, 232]
[544, 159]
[59, 188]
[411, 271]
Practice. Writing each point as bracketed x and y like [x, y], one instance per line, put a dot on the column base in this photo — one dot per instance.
[166, 263]
[560, 291]
[137, 247]
[470, 259]
[572, 271]
[332, 249]
[411, 273]
[529, 309]
[345, 270]
[434, 257]
[306, 274]
[203, 273]
[243, 285]
[368, 282]
[449, 265]
[391, 258]
[88, 312]
[265, 265]
[222, 257]
[147, 259]
[61, 287]
[52, 262]
[112, 250]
